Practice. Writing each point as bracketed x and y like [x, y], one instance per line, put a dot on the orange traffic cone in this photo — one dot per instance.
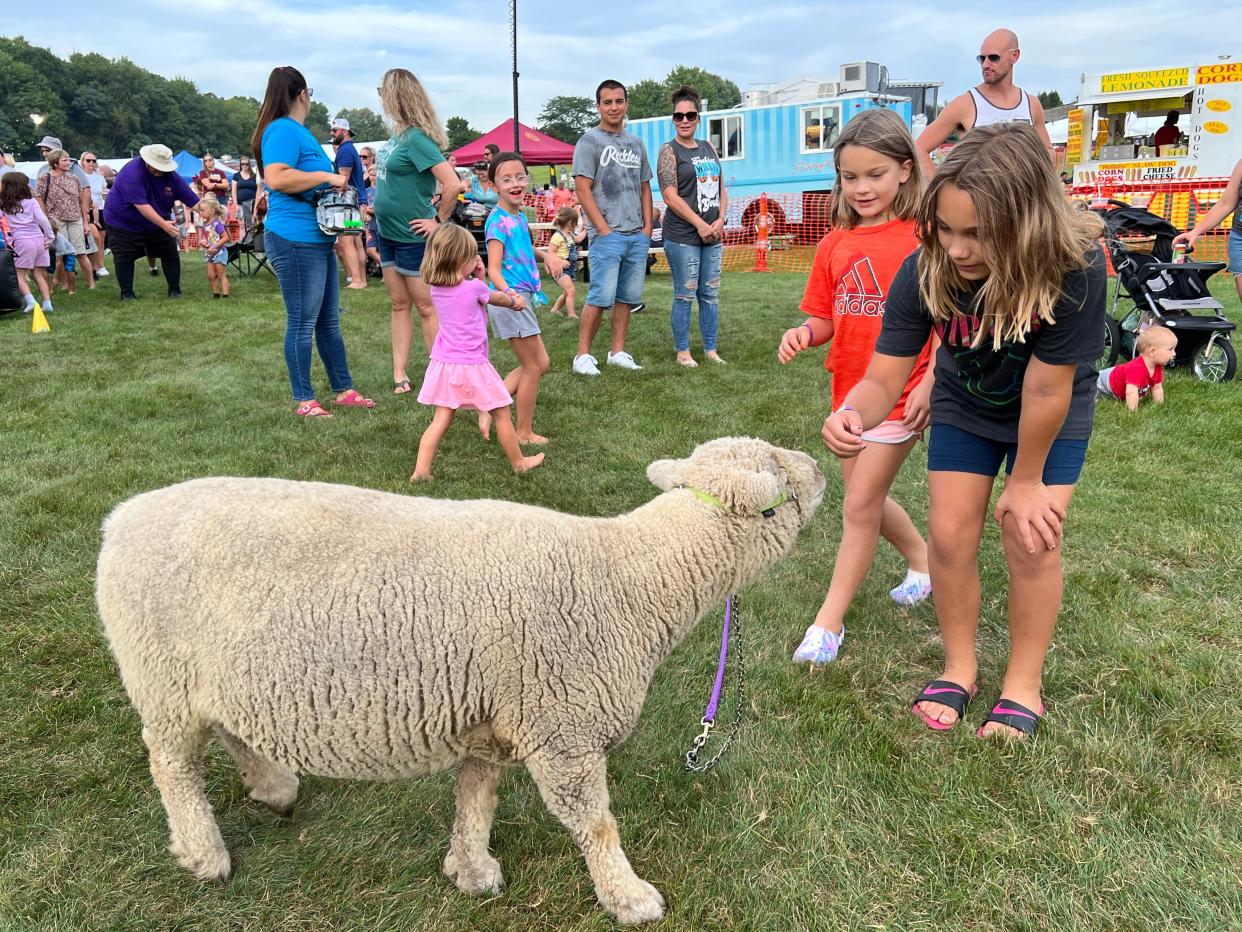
[38, 323]
[762, 222]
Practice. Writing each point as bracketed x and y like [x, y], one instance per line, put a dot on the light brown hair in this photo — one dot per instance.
[407, 105]
[880, 130]
[55, 155]
[565, 216]
[1031, 235]
[449, 247]
[1152, 337]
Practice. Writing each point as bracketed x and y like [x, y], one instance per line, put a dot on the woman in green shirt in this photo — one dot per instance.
[407, 168]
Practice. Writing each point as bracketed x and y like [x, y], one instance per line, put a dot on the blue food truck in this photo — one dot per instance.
[785, 147]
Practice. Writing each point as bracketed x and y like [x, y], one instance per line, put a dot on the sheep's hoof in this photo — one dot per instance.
[211, 864]
[480, 878]
[641, 902]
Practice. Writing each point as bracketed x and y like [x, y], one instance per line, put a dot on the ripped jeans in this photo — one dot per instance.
[696, 274]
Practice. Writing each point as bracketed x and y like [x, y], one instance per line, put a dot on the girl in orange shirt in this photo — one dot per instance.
[877, 195]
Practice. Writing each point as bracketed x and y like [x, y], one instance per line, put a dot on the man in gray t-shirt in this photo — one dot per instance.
[612, 179]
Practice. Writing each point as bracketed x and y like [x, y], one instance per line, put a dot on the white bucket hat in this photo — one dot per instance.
[158, 157]
[50, 142]
[340, 123]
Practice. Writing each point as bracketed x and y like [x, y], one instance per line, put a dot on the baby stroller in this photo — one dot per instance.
[473, 216]
[1173, 295]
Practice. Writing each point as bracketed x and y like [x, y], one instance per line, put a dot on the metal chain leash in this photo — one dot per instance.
[692, 756]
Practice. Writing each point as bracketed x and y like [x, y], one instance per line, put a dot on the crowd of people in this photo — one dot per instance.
[963, 302]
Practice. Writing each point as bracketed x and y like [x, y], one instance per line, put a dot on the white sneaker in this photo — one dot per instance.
[586, 365]
[623, 360]
[102, 272]
[819, 646]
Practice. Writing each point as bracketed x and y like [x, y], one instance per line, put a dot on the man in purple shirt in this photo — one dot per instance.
[137, 214]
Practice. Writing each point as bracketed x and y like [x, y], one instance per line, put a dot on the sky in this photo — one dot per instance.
[461, 52]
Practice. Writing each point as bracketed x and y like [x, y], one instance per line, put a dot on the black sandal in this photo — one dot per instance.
[944, 692]
[1016, 716]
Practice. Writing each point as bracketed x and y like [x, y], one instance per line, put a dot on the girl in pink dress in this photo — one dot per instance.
[30, 235]
[460, 375]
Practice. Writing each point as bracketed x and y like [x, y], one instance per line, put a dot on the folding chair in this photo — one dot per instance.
[248, 256]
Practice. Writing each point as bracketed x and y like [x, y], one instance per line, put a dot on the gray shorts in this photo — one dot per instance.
[508, 323]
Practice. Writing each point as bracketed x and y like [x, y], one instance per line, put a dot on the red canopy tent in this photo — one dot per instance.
[537, 148]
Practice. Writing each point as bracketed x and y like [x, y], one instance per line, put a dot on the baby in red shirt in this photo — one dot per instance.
[1144, 373]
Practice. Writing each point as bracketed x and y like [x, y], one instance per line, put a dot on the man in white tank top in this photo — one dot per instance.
[996, 100]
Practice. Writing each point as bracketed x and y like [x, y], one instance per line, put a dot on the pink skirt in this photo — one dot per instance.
[29, 252]
[463, 385]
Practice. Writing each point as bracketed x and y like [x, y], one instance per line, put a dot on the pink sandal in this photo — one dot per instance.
[311, 409]
[351, 399]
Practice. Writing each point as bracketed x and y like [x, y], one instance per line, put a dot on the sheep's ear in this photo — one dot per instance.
[749, 493]
[666, 474]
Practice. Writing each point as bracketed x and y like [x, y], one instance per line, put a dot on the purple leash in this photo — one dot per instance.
[709, 715]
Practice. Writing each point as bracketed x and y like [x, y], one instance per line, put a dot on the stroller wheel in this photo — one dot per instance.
[1215, 361]
[1112, 344]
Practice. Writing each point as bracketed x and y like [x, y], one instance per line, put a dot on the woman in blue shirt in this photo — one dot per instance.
[294, 167]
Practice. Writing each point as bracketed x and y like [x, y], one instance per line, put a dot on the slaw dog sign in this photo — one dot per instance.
[1125, 81]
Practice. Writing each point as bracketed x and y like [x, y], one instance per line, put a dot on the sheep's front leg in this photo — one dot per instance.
[469, 863]
[575, 789]
[176, 763]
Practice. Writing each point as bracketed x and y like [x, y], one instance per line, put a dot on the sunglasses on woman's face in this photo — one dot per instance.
[688, 117]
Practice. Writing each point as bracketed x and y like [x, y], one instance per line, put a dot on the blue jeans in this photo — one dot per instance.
[696, 274]
[618, 269]
[308, 282]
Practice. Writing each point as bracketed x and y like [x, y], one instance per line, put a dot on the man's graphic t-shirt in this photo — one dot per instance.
[978, 388]
[849, 284]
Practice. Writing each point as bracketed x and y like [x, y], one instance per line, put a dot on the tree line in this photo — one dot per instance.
[113, 107]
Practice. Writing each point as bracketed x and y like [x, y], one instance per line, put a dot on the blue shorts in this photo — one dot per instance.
[1233, 248]
[952, 449]
[406, 258]
[220, 258]
[618, 269]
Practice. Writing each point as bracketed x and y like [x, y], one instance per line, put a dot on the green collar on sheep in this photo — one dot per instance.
[713, 500]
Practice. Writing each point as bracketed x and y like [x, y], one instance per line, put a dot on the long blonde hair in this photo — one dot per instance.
[407, 105]
[1030, 233]
[880, 130]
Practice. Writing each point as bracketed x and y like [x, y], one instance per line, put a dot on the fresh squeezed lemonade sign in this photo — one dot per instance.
[1125, 81]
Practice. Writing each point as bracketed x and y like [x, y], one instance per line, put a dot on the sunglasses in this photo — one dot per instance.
[365, 158]
[88, 161]
[689, 116]
[992, 57]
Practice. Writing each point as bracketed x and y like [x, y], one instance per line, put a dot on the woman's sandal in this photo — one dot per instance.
[311, 409]
[402, 387]
[1014, 715]
[947, 693]
[351, 399]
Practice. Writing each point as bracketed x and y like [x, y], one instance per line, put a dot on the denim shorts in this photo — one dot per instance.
[1233, 248]
[618, 268]
[952, 449]
[406, 258]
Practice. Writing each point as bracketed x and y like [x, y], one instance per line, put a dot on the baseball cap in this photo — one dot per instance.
[340, 123]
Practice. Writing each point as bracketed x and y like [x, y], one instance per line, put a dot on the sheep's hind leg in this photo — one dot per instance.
[575, 790]
[269, 783]
[176, 767]
[469, 863]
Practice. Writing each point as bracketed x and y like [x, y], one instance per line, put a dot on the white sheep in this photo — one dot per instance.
[337, 631]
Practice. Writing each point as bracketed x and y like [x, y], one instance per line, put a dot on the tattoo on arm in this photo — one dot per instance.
[666, 168]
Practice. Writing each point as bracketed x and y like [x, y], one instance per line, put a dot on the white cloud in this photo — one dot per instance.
[461, 52]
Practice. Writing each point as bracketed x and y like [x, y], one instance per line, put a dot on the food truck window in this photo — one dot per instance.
[820, 128]
[725, 133]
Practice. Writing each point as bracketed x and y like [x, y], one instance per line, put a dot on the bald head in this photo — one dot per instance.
[997, 56]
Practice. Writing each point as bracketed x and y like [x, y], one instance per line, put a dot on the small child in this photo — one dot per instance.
[511, 268]
[215, 237]
[1144, 373]
[566, 238]
[459, 373]
[30, 235]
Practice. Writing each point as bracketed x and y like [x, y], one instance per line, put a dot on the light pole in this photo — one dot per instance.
[513, 40]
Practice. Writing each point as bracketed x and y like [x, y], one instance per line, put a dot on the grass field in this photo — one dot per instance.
[836, 810]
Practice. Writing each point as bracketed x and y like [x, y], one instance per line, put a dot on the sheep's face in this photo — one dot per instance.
[748, 476]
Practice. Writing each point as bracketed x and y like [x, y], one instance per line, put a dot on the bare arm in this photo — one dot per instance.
[449, 182]
[289, 180]
[1157, 393]
[1228, 203]
[586, 198]
[1037, 117]
[951, 118]
[666, 177]
[162, 222]
[1132, 397]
